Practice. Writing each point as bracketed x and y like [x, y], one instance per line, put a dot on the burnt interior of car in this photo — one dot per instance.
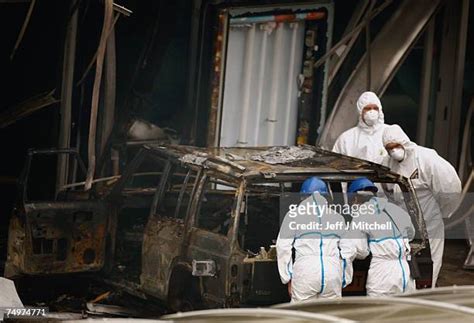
[265, 205]
[260, 224]
[262, 214]
[216, 205]
[137, 197]
[40, 186]
[130, 228]
[177, 191]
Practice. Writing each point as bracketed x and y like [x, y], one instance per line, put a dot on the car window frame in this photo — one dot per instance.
[231, 232]
[161, 189]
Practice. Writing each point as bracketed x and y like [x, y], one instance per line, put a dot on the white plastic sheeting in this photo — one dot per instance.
[8, 297]
[260, 86]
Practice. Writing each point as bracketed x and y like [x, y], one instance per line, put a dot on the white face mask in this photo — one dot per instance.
[397, 153]
[371, 117]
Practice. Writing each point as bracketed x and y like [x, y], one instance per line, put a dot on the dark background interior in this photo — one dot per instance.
[153, 58]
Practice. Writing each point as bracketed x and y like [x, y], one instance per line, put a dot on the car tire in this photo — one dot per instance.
[184, 293]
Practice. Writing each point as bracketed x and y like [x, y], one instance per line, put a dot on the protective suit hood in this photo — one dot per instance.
[365, 99]
[364, 141]
[435, 182]
[395, 134]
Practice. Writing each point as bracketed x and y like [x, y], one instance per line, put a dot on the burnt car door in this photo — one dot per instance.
[164, 232]
[55, 229]
[210, 237]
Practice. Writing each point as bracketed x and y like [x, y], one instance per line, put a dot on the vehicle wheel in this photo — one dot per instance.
[184, 294]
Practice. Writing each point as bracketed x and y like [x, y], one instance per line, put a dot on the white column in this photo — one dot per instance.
[267, 29]
[275, 88]
[291, 82]
[246, 85]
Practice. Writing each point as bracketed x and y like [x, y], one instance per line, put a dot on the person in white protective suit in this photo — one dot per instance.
[386, 230]
[435, 181]
[323, 258]
[364, 141]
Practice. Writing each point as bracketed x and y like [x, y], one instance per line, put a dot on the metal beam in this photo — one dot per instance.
[66, 94]
[388, 50]
[108, 114]
[426, 75]
[458, 80]
[465, 159]
[354, 33]
[451, 72]
[27, 107]
[336, 61]
[23, 29]
[91, 143]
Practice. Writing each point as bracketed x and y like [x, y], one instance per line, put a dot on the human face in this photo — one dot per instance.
[392, 145]
[395, 151]
[370, 107]
[370, 114]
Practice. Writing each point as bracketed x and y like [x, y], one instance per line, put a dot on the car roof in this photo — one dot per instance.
[277, 160]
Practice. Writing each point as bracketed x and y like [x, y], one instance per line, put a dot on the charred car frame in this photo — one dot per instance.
[185, 225]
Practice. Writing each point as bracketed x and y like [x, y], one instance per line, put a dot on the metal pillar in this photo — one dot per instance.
[368, 56]
[449, 95]
[387, 51]
[66, 95]
[425, 87]
[108, 114]
[336, 61]
[459, 80]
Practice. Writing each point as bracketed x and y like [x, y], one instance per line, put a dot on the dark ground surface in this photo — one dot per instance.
[63, 294]
[452, 272]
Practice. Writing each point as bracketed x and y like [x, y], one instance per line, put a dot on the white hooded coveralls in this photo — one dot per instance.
[364, 141]
[436, 184]
[323, 258]
[387, 230]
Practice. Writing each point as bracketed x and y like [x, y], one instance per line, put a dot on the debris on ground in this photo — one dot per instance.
[114, 310]
[101, 297]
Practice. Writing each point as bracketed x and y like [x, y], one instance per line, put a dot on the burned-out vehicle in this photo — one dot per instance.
[195, 227]
[55, 231]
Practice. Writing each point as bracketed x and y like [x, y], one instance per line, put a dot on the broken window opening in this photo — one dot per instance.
[178, 190]
[266, 204]
[130, 228]
[146, 177]
[260, 222]
[216, 205]
[132, 218]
